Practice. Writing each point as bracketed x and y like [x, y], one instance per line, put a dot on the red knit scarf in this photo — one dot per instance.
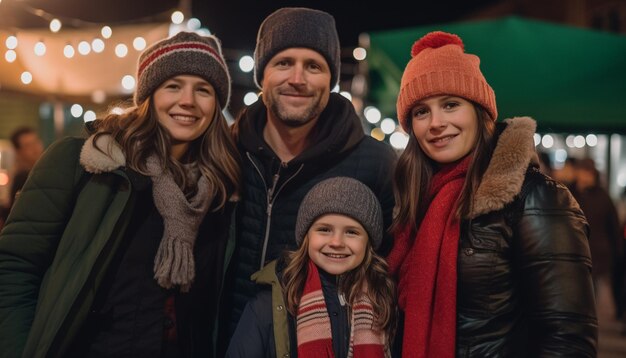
[313, 324]
[426, 269]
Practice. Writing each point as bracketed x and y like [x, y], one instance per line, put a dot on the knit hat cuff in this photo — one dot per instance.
[441, 83]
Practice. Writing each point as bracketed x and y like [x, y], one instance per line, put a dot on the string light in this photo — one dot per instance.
[178, 17]
[106, 32]
[68, 51]
[139, 43]
[26, 77]
[97, 45]
[84, 48]
[11, 42]
[121, 50]
[10, 56]
[55, 25]
[40, 48]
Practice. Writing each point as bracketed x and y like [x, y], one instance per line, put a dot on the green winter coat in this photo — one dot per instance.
[55, 248]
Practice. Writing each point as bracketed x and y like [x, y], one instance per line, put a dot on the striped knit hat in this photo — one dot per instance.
[186, 53]
[439, 66]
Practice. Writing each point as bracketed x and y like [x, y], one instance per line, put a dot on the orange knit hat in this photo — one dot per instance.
[439, 66]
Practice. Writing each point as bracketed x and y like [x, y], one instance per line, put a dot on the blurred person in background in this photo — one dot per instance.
[117, 245]
[28, 148]
[567, 174]
[605, 240]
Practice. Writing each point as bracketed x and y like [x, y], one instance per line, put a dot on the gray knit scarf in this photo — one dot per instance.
[174, 264]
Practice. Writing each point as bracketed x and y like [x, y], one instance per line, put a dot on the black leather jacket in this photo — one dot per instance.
[524, 267]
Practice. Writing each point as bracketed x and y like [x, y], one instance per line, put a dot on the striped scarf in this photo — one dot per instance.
[313, 324]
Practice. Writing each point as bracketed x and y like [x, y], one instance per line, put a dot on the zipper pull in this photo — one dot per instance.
[342, 299]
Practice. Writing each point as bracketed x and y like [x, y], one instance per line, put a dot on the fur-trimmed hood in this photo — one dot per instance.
[107, 157]
[504, 177]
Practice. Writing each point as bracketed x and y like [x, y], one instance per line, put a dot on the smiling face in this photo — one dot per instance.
[337, 243]
[296, 86]
[446, 127]
[185, 106]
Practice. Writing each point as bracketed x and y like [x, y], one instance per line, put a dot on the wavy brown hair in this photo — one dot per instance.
[415, 170]
[371, 274]
[140, 135]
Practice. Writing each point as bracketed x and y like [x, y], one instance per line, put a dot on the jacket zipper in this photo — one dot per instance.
[272, 193]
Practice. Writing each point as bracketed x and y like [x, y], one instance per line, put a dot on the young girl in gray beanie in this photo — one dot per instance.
[331, 297]
[119, 240]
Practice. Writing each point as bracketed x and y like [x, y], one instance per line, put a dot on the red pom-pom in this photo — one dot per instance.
[436, 39]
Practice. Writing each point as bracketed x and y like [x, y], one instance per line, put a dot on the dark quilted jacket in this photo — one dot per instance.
[272, 191]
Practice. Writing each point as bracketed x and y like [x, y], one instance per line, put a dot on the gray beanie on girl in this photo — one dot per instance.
[345, 196]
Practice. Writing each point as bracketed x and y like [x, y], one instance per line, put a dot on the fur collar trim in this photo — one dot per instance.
[504, 177]
[107, 158]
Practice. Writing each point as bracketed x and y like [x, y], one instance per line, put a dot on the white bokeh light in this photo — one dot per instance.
[621, 179]
[139, 43]
[55, 25]
[537, 138]
[388, 125]
[547, 141]
[178, 17]
[26, 77]
[372, 114]
[399, 140]
[10, 56]
[359, 53]
[579, 141]
[89, 116]
[569, 141]
[11, 42]
[76, 110]
[40, 48]
[97, 45]
[193, 24]
[560, 155]
[84, 48]
[128, 82]
[121, 50]
[250, 98]
[592, 140]
[68, 51]
[246, 63]
[106, 32]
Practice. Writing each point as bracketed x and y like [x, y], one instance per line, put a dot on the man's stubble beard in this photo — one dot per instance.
[296, 120]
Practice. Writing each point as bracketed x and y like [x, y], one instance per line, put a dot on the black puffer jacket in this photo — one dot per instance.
[524, 267]
[272, 191]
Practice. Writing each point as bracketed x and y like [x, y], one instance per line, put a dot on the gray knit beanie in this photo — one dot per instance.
[297, 27]
[345, 196]
[186, 53]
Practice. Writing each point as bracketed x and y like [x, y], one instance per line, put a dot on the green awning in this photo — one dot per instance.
[568, 79]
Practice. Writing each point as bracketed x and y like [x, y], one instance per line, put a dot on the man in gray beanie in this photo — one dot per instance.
[298, 134]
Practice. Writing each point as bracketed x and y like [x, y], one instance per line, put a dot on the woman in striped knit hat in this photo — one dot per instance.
[332, 297]
[117, 244]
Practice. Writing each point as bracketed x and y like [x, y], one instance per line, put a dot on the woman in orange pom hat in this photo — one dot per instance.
[491, 256]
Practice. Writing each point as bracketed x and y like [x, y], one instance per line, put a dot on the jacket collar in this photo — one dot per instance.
[105, 155]
[504, 176]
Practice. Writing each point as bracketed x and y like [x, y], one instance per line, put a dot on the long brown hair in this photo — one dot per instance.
[415, 170]
[140, 135]
[371, 273]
